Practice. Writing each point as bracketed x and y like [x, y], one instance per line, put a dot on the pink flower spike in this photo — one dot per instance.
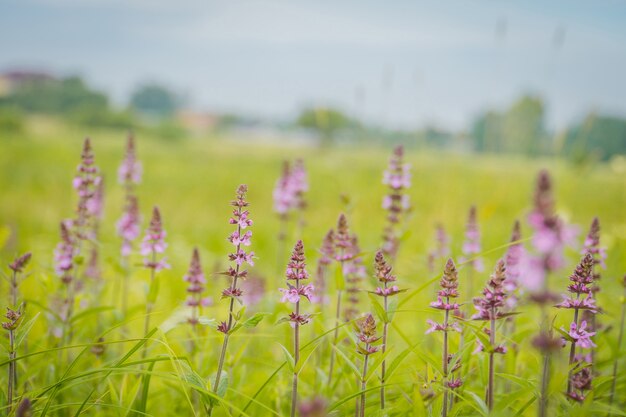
[581, 337]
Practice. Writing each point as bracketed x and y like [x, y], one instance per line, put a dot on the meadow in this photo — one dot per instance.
[101, 361]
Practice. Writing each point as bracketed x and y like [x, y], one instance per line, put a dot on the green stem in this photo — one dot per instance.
[364, 382]
[335, 338]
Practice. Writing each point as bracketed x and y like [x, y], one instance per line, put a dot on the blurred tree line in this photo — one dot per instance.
[518, 129]
[151, 106]
[521, 129]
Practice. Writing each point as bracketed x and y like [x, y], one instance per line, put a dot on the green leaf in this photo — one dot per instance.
[88, 312]
[419, 408]
[303, 361]
[23, 331]
[348, 361]
[399, 359]
[290, 360]
[378, 309]
[379, 360]
[254, 320]
[197, 383]
[205, 321]
[392, 306]
[283, 320]
[484, 340]
[222, 388]
[564, 334]
[239, 314]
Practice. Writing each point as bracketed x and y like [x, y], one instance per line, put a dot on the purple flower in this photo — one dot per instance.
[436, 327]
[129, 171]
[490, 305]
[295, 273]
[442, 305]
[128, 225]
[515, 259]
[366, 334]
[551, 234]
[241, 219]
[587, 303]
[236, 238]
[86, 183]
[232, 293]
[291, 295]
[95, 204]
[290, 188]
[240, 257]
[581, 337]
[592, 247]
[398, 178]
[65, 251]
[327, 251]
[354, 273]
[154, 242]
[20, 262]
[471, 245]
[195, 279]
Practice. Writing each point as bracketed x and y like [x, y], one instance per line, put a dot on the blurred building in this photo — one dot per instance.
[14, 79]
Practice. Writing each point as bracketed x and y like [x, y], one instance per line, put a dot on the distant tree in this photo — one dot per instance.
[326, 122]
[487, 132]
[53, 96]
[521, 129]
[155, 100]
[597, 137]
[524, 127]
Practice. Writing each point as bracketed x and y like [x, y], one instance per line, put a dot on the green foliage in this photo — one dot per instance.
[11, 121]
[52, 96]
[326, 122]
[192, 182]
[597, 137]
[155, 100]
[520, 129]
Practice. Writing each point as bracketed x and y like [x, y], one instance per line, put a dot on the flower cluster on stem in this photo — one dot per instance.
[490, 308]
[471, 245]
[129, 175]
[323, 263]
[366, 346]
[295, 291]
[551, 235]
[290, 188]
[343, 252]
[387, 288]
[448, 292]
[580, 299]
[129, 171]
[64, 256]
[397, 177]
[86, 183]
[14, 318]
[195, 288]
[240, 238]
[154, 243]
[354, 273]
[514, 259]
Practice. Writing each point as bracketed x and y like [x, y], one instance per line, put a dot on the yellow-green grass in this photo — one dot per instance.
[193, 180]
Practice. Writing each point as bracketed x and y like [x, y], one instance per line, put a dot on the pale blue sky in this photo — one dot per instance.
[402, 63]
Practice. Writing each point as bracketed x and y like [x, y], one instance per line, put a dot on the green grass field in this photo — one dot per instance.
[192, 182]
